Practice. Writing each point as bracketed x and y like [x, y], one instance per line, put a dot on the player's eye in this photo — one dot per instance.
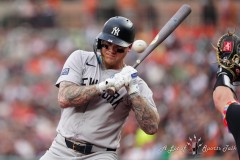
[120, 50]
[117, 49]
[105, 46]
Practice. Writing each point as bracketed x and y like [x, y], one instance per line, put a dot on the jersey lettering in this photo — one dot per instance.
[112, 99]
[115, 104]
[93, 81]
[89, 81]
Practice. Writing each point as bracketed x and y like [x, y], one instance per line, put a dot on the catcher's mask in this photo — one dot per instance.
[228, 51]
[117, 30]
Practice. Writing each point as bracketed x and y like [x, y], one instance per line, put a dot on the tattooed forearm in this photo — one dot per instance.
[71, 94]
[146, 116]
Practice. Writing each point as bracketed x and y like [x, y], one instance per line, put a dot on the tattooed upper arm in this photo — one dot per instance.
[71, 94]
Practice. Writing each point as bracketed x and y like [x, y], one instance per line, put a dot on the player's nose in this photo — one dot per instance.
[112, 49]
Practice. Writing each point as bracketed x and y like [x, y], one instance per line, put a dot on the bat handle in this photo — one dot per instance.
[111, 91]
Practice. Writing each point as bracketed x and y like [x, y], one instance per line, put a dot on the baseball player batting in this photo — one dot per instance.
[91, 119]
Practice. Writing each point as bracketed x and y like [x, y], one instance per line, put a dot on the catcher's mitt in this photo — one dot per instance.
[228, 54]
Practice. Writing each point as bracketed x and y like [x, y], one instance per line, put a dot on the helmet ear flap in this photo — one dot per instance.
[97, 43]
[96, 46]
[99, 46]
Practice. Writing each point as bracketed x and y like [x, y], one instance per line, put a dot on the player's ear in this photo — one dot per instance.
[129, 47]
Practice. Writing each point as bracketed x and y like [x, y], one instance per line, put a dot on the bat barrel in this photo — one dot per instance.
[167, 29]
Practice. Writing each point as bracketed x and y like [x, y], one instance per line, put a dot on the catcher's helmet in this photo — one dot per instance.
[117, 30]
[228, 50]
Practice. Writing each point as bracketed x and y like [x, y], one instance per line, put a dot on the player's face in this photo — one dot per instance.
[113, 55]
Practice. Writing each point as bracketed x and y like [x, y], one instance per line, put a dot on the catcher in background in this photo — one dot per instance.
[224, 97]
[91, 119]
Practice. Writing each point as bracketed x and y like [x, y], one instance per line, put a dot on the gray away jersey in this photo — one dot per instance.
[101, 120]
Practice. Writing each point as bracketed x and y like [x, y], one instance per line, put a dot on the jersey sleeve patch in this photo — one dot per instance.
[65, 71]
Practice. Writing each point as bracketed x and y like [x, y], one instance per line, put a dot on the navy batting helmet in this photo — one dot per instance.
[117, 30]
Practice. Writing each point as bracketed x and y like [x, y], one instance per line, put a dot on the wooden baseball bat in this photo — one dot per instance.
[166, 30]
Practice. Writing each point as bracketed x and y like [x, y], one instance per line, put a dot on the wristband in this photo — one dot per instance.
[222, 80]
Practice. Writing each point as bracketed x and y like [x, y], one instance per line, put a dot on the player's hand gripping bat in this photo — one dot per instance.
[166, 30]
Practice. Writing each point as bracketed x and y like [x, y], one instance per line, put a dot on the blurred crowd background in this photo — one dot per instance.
[36, 37]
